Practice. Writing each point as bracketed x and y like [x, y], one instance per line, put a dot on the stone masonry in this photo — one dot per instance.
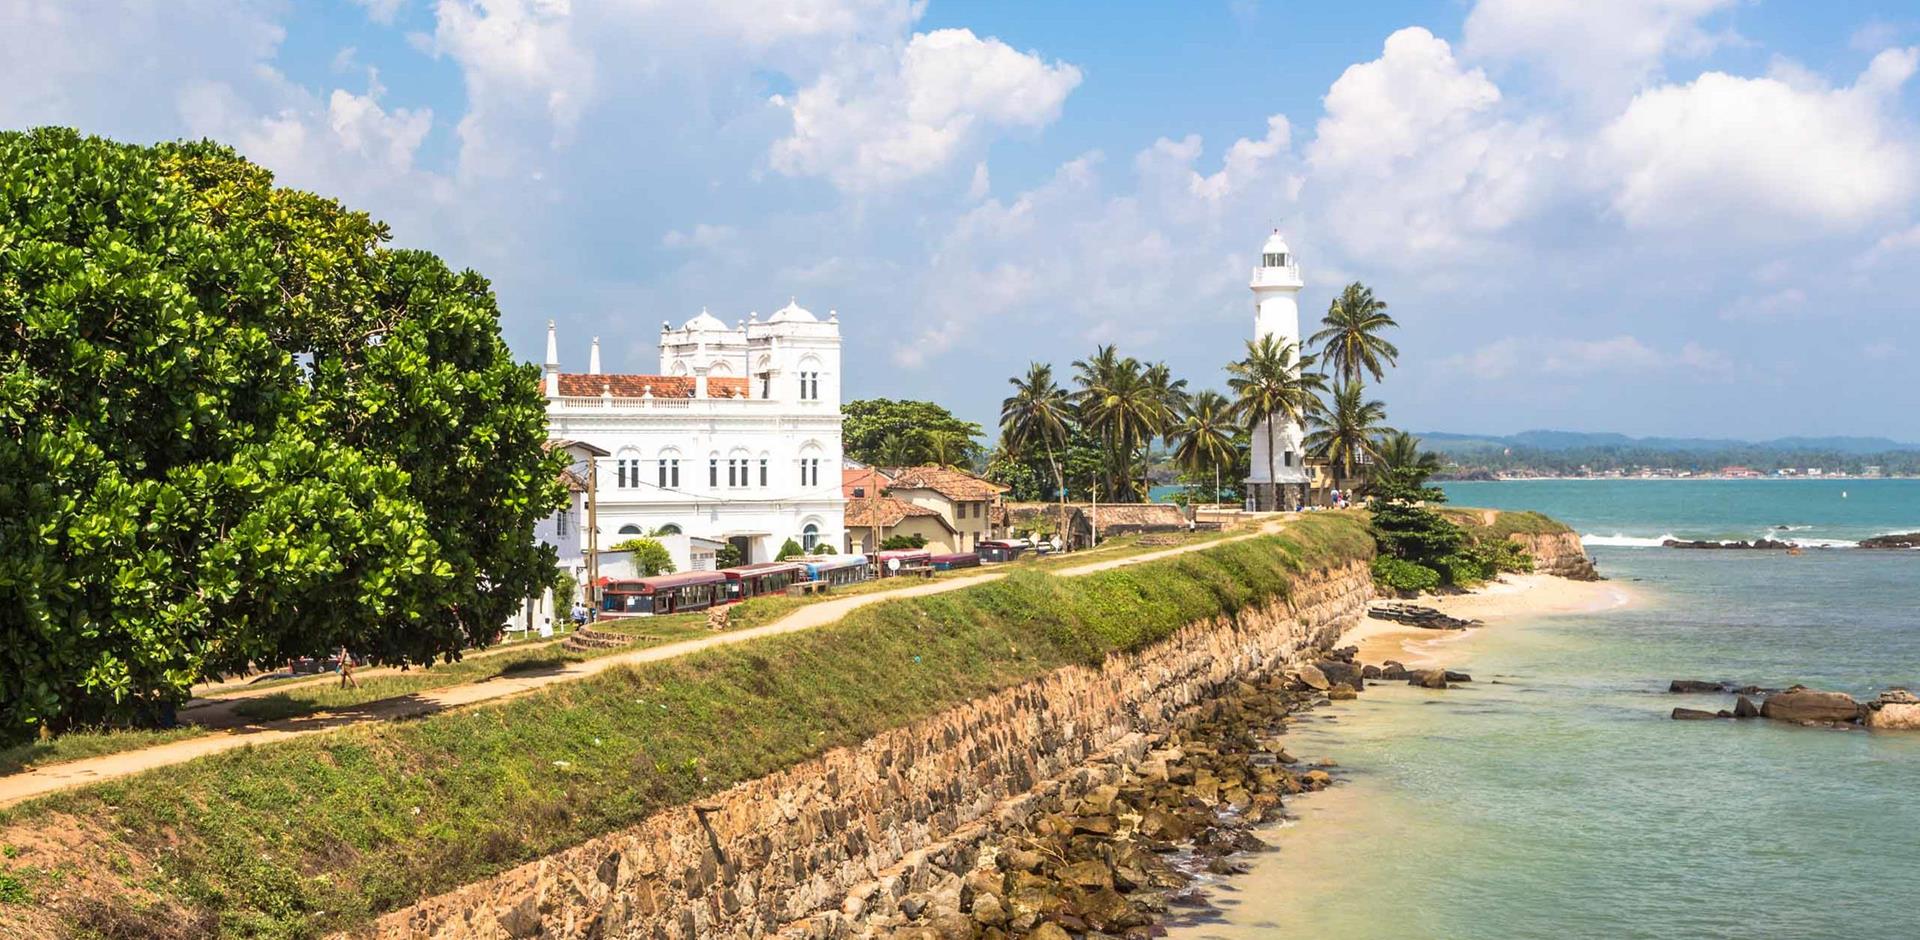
[803, 852]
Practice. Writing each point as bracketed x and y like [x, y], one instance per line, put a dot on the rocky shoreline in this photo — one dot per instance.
[1125, 850]
[1894, 710]
[1910, 540]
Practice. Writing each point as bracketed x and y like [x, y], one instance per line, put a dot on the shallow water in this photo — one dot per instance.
[1553, 797]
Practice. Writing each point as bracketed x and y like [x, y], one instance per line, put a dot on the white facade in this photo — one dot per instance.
[1276, 313]
[735, 439]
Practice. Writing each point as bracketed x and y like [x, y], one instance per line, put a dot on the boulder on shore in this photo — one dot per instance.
[1894, 716]
[1313, 678]
[1803, 704]
[1429, 679]
[1743, 707]
[1694, 714]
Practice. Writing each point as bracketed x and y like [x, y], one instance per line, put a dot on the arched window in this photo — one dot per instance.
[809, 536]
[626, 468]
[669, 529]
[631, 529]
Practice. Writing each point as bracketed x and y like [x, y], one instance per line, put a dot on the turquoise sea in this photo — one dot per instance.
[1553, 797]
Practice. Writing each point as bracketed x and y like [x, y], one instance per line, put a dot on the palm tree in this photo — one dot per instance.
[947, 447]
[1400, 452]
[1271, 387]
[1349, 340]
[1126, 412]
[1170, 394]
[1344, 434]
[1203, 439]
[1038, 413]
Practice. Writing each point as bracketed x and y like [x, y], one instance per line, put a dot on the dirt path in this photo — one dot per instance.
[53, 777]
[207, 696]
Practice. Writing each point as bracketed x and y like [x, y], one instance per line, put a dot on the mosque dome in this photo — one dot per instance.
[705, 322]
[793, 313]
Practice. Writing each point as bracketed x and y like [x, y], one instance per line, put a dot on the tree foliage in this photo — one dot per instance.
[649, 556]
[790, 549]
[883, 432]
[236, 429]
[1350, 341]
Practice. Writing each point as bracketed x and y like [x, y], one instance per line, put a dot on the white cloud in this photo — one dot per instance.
[1415, 160]
[1880, 351]
[886, 118]
[1244, 164]
[523, 69]
[381, 11]
[1600, 52]
[386, 139]
[1774, 305]
[1569, 358]
[1901, 242]
[982, 182]
[702, 235]
[1773, 156]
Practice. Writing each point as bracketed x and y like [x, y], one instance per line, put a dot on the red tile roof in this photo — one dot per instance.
[948, 482]
[579, 385]
[886, 511]
[868, 479]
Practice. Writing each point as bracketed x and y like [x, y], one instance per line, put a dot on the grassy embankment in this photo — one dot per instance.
[1503, 522]
[321, 833]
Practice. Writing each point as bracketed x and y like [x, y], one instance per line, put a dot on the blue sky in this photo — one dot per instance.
[1688, 217]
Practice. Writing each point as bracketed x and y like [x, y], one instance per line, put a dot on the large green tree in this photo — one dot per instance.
[235, 428]
[885, 432]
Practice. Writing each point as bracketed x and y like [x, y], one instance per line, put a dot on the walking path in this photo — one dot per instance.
[54, 777]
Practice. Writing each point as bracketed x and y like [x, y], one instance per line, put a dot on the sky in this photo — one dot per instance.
[1658, 217]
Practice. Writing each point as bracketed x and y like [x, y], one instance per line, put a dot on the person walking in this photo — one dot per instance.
[346, 670]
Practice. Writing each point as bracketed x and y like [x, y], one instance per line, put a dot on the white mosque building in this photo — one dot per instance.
[1276, 313]
[736, 439]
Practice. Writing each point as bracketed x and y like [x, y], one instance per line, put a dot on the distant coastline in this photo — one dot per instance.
[1714, 477]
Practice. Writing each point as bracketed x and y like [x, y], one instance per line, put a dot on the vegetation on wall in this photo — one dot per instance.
[236, 429]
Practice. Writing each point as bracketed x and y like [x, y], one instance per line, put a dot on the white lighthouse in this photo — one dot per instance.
[1279, 483]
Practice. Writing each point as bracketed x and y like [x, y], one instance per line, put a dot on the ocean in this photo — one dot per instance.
[1553, 797]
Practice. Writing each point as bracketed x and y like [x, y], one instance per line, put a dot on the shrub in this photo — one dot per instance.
[1397, 575]
[791, 549]
[901, 542]
[1463, 569]
[823, 549]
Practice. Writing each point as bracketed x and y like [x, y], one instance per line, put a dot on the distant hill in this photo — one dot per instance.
[1576, 453]
[1555, 441]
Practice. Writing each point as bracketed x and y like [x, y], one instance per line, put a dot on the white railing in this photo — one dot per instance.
[1287, 275]
[600, 402]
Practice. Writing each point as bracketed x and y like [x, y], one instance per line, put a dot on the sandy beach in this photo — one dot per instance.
[1510, 597]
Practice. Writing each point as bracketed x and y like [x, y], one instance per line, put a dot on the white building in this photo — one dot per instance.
[736, 439]
[1276, 313]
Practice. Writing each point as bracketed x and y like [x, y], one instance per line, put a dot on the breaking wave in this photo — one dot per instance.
[1624, 541]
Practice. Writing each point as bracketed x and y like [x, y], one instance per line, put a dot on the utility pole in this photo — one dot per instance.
[593, 533]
